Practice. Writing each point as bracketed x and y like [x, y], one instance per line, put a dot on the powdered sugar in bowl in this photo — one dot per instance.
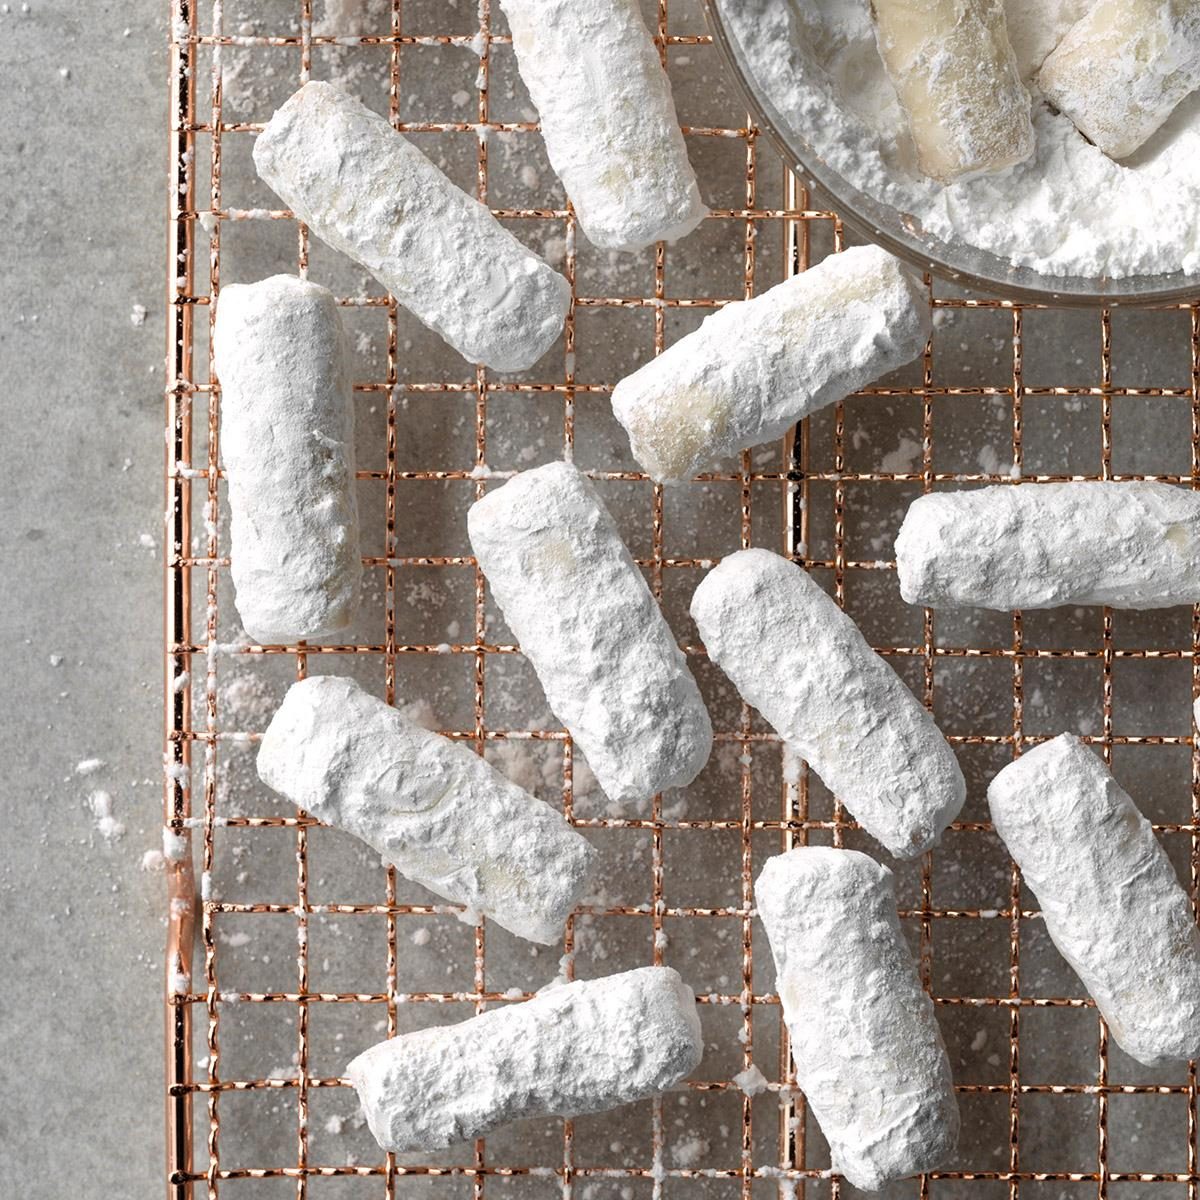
[1069, 225]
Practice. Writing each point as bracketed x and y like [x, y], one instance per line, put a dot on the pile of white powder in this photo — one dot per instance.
[1068, 211]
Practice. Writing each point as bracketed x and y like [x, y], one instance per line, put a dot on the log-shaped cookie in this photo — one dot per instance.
[585, 619]
[956, 75]
[287, 443]
[756, 367]
[370, 193]
[1123, 68]
[869, 1056]
[1109, 896]
[441, 815]
[611, 132]
[1042, 545]
[797, 658]
[580, 1048]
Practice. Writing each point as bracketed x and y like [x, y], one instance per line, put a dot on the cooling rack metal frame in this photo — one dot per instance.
[193, 729]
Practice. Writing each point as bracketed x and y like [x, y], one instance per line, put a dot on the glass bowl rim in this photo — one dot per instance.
[851, 206]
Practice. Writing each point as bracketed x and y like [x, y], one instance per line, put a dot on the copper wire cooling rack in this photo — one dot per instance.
[1126, 681]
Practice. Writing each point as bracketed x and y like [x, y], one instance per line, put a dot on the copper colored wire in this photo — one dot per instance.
[194, 739]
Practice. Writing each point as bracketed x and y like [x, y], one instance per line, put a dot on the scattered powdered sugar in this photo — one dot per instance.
[751, 1081]
[350, 20]
[904, 458]
[1068, 211]
[178, 979]
[153, 860]
[175, 845]
[109, 828]
[88, 766]
[246, 700]
[691, 1151]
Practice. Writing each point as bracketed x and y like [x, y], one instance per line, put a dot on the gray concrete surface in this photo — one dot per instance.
[82, 161]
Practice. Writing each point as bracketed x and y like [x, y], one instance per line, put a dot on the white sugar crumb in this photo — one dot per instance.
[903, 459]
[420, 712]
[691, 1151]
[89, 766]
[152, 860]
[177, 980]
[333, 1125]
[420, 936]
[138, 315]
[56, 660]
[147, 541]
[246, 701]
[979, 1040]
[751, 1081]
[561, 977]
[109, 828]
[175, 845]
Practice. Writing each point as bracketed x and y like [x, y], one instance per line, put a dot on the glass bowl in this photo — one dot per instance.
[900, 233]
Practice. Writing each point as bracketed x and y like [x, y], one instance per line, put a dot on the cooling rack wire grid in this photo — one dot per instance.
[805, 499]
